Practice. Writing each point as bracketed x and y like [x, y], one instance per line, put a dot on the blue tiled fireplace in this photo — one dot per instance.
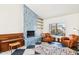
[30, 27]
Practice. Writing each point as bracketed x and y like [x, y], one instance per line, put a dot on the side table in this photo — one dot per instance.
[57, 38]
[77, 47]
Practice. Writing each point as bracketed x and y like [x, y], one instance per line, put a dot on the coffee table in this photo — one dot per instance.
[57, 44]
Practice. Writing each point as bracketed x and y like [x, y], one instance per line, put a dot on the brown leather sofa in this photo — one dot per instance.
[70, 41]
[46, 37]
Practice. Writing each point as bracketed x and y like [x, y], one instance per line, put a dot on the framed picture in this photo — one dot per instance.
[57, 29]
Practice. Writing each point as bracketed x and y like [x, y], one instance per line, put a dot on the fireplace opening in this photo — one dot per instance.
[30, 33]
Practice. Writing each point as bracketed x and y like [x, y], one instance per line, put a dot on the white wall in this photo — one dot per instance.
[70, 21]
[11, 18]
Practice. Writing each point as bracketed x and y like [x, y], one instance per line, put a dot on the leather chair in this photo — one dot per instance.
[46, 37]
[70, 41]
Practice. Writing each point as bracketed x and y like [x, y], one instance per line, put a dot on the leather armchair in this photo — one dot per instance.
[70, 41]
[46, 37]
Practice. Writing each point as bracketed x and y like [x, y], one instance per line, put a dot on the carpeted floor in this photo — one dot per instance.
[56, 44]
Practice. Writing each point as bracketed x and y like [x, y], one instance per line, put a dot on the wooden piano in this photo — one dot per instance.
[5, 39]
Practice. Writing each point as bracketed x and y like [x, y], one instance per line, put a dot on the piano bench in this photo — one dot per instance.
[14, 44]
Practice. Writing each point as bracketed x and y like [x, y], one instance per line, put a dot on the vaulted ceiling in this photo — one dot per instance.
[53, 10]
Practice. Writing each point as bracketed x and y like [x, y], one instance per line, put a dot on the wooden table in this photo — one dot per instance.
[57, 38]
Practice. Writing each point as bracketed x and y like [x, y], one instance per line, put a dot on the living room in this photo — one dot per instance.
[53, 27]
